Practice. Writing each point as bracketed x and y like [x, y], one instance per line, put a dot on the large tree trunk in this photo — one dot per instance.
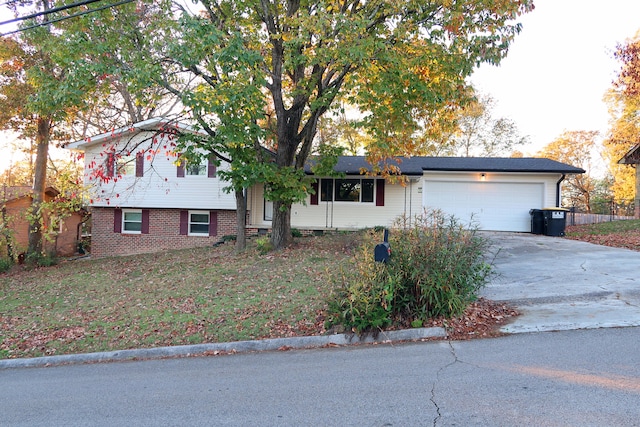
[39, 183]
[241, 221]
[281, 226]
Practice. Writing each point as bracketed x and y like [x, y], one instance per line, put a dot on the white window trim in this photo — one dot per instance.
[124, 212]
[348, 202]
[189, 233]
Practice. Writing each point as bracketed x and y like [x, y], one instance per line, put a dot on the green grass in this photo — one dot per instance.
[170, 298]
[604, 228]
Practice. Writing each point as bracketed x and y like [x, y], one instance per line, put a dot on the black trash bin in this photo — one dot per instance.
[555, 220]
[537, 221]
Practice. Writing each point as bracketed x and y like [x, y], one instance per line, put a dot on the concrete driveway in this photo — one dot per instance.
[561, 284]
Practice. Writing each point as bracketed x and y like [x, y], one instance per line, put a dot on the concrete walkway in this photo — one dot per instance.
[562, 284]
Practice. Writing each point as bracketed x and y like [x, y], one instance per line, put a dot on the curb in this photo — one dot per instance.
[228, 347]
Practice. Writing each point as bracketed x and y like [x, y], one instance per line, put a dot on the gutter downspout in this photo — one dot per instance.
[558, 189]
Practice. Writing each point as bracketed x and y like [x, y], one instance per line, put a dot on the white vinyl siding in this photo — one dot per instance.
[159, 187]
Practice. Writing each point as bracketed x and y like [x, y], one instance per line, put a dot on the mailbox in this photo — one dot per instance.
[382, 252]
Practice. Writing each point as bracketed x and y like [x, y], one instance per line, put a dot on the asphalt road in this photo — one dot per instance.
[569, 378]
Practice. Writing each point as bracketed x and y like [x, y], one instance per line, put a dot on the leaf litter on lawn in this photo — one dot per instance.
[186, 297]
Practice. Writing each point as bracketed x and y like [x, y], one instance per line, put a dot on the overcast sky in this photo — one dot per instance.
[560, 66]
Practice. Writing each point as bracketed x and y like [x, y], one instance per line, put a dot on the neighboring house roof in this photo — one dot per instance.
[19, 191]
[155, 124]
[632, 157]
[352, 165]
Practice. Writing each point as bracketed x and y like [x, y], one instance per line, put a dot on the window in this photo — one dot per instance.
[198, 223]
[126, 165]
[347, 190]
[196, 170]
[326, 190]
[207, 168]
[268, 210]
[132, 221]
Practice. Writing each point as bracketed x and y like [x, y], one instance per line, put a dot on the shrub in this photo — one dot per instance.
[436, 269]
[263, 243]
[5, 264]
[296, 233]
[41, 260]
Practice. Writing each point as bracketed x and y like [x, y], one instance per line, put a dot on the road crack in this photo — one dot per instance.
[435, 383]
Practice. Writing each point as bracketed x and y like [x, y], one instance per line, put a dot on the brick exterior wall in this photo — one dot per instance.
[164, 233]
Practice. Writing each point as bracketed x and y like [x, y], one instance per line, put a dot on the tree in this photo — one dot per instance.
[232, 62]
[38, 88]
[624, 126]
[475, 132]
[575, 148]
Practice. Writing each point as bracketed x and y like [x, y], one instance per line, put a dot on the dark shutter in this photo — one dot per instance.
[117, 220]
[184, 223]
[139, 164]
[211, 167]
[379, 192]
[213, 223]
[314, 197]
[111, 163]
[180, 169]
[145, 221]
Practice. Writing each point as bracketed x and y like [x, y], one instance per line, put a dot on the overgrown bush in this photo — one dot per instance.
[437, 267]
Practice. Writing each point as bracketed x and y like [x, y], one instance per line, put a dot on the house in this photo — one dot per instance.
[15, 202]
[144, 199]
[493, 193]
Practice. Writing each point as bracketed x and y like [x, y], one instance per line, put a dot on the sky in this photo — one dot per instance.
[559, 67]
[557, 70]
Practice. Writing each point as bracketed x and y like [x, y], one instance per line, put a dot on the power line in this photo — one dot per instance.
[48, 11]
[67, 17]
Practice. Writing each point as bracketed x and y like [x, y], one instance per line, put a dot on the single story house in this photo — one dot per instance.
[493, 193]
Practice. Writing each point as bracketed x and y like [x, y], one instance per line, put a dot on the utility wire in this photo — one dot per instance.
[97, 9]
[48, 11]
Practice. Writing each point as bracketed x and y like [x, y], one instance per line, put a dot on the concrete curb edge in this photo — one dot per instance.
[270, 344]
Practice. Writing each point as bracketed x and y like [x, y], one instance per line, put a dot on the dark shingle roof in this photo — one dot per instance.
[351, 165]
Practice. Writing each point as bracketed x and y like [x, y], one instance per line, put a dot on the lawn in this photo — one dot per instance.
[170, 298]
[620, 234]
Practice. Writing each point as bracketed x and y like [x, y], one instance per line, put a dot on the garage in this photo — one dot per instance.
[497, 206]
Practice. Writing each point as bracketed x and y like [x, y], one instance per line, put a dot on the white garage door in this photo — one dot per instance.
[498, 206]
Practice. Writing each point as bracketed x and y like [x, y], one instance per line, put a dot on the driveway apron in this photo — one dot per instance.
[561, 284]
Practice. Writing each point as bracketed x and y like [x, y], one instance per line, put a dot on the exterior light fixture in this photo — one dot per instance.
[483, 177]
